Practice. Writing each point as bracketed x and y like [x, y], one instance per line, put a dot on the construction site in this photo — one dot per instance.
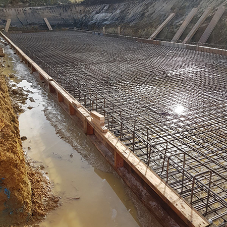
[155, 109]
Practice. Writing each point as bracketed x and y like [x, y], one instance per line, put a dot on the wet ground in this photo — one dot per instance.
[91, 192]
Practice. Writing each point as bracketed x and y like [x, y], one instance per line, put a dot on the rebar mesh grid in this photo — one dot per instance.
[168, 105]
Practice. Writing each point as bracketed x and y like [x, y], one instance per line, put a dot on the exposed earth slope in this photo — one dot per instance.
[136, 18]
[15, 188]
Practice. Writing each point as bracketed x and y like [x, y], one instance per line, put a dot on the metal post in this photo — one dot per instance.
[121, 127]
[108, 121]
[182, 187]
[147, 140]
[85, 100]
[149, 156]
[96, 102]
[104, 107]
[164, 157]
[167, 173]
[208, 193]
[133, 137]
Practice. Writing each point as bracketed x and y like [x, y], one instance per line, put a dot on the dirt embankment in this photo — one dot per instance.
[25, 192]
[15, 188]
[136, 18]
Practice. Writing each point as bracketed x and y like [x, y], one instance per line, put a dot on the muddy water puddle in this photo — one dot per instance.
[91, 193]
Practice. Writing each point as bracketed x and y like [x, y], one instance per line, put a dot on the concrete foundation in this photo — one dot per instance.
[122, 159]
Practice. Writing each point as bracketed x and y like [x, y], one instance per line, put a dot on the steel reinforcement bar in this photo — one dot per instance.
[167, 105]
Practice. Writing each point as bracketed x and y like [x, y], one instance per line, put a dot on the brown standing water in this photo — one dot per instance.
[91, 192]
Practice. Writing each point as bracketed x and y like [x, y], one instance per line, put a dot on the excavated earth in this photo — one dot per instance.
[136, 18]
[25, 191]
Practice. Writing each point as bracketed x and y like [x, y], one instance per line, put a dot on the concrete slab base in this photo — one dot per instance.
[179, 212]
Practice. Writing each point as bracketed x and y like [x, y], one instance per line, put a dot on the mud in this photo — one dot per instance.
[18, 98]
[43, 200]
[15, 187]
[25, 190]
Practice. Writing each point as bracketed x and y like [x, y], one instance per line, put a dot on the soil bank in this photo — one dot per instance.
[25, 191]
[15, 187]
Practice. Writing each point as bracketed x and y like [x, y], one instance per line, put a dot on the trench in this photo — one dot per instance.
[91, 192]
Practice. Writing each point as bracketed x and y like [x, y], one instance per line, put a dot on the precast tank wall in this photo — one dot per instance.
[168, 105]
